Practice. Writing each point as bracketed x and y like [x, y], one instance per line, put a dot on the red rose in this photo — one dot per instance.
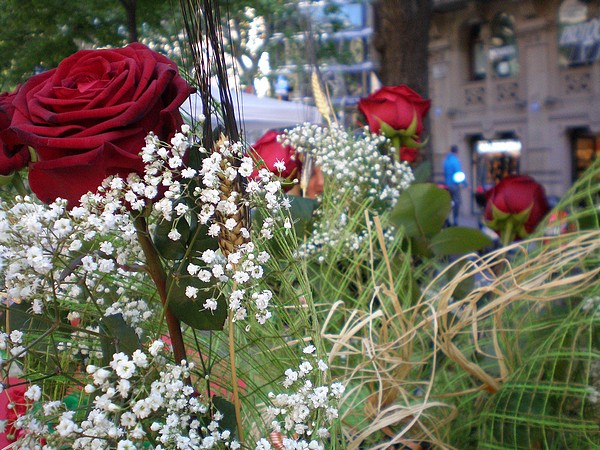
[87, 118]
[517, 204]
[12, 406]
[268, 150]
[396, 106]
[13, 154]
[408, 154]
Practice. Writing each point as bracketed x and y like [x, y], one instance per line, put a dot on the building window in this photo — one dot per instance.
[496, 54]
[503, 46]
[586, 149]
[578, 36]
[477, 59]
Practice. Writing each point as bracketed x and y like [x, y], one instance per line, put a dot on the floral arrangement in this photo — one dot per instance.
[141, 240]
[165, 287]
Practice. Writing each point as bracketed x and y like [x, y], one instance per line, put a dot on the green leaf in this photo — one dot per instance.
[20, 317]
[195, 157]
[74, 401]
[302, 210]
[167, 248]
[459, 241]
[226, 408]
[420, 247]
[191, 311]
[422, 172]
[201, 241]
[121, 336]
[422, 210]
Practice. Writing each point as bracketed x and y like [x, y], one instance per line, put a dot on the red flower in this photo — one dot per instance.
[267, 151]
[12, 406]
[408, 154]
[516, 203]
[395, 106]
[13, 154]
[87, 118]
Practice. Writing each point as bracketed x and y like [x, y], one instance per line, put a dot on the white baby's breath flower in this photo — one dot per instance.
[210, 304]
[309, 349]
[279, 166]
[174, 235]
[33, 393]
[156, 347]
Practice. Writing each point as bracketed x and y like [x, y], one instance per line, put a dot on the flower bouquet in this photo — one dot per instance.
[137, 307]
[168, 286]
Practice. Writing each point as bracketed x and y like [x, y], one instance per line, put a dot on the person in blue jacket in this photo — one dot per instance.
[454, 178]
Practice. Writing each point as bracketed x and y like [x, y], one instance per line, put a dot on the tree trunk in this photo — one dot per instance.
[402, 39]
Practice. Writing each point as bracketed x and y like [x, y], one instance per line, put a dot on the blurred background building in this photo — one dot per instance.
[516, 84]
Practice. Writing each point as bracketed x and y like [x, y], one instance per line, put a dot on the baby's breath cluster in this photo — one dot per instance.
[51, 254]
[361, 174]
[224, 197]
[39, 243]
[359, 165]
[134, 400]
[85, 271]
[301, 418]
[163, 180]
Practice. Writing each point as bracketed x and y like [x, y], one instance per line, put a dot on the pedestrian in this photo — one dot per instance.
[454, 178]
[282, 88]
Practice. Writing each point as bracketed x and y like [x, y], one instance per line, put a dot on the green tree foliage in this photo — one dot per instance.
[38, 34]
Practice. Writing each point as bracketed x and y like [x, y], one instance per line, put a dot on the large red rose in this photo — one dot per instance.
[13, 154]
[517, 203]
[395, 106]
[268, 150]
[87, 118]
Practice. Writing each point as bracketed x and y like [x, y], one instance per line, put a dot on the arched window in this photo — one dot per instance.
[572, 11]
[503, 46]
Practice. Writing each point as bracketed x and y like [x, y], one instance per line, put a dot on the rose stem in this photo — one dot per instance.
[508, 234]
[156, 272]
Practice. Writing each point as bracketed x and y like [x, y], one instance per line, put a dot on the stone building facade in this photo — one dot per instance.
[516, 85]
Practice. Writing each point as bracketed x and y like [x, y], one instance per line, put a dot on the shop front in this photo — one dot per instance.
[585, 150]
[493, 160]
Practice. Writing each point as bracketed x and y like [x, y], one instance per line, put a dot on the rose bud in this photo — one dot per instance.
[397, 112]
[13, 404]
[515, 206]
[281, 160]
